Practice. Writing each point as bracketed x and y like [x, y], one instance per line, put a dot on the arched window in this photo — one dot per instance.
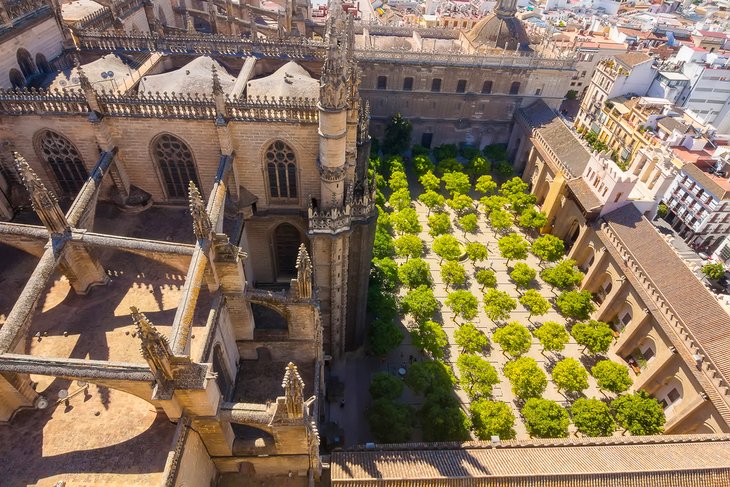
[286, 246]
[487, 88]
[281, 167]
[64, 160]
[25, 61]
[17, 80]
[515, 88]
[176, 165]
[42, 63]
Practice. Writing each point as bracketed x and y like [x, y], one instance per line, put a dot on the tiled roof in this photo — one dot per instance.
[661, 461]
[585, 195]
[632, 59]
[562, 141]
[693, 305]
[669, 124]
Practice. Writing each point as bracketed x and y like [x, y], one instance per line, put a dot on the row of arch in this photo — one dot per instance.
[28, 68]
[174, 161]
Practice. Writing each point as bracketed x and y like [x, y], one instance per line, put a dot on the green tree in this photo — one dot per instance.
[485, 185]
[639, 413]
[414, 273]
[430, 377]
[470, 339]
[447, 247]
[612, 376]
[522, 274]
[595, 336]
[445, 151]
[662, 210]
[476, 252]
[420, 303]
[549, 248]
[713, 271]
[383, 246]
[394, 164]
[385, 386]
[592, 417]
[397, 135]
[527, 378]
[383, 336]
[456, 183]
[439, 224]
[491, 418]
[463, 303]
[545, 418]
[397, 181]
[390, 422]
[535, 303]
[514, 186]
[453, 273]
[476, 375]
[486, 278]
[430, 181]
[468, 223]
[478, 166]
[492, 203]
[386, 271]
[532, 219]
[519, 202]
[564, 275]
[576, 304]
[432, 200]
[552, 336]
[513, 247]
[460, 203]
[408, 246]
[385, 221]
[431, 338]
[422, 164]
[500, 220]
[514, 338]
[400, 199]
[570, 376]
[406, 221]
[498, 305]
[448, 165]
[442, 419]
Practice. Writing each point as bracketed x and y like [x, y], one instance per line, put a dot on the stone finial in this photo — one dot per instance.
[189, 25]
[155, 348]
[333, 82]
[293, 386]
[43, 201]
[83, 79]
[363, 122]
[304, 274]
[202, 227]
[217, 88]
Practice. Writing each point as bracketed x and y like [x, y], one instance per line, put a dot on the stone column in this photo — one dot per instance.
[612, 300]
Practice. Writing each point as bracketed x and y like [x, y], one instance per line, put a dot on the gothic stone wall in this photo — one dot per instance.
[44, 37]
[195, 466]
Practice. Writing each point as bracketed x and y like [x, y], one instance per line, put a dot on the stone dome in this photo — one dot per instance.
[498, 31]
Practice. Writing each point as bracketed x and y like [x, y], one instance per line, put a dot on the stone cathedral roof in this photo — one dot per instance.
[194, 77]
[497, 31]
[290, 80]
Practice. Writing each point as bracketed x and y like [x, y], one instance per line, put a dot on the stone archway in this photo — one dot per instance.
[64, 161]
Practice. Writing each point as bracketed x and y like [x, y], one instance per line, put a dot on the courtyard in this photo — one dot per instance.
[359, 369]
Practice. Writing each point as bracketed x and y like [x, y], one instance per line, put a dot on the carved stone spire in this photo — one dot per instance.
[304, 274]
[189, 25]
[218, 95]
[155, 348]
[293, 392]
[202, 227]
[363, 122]
[43, 201]
[217, 88]
[333, 82]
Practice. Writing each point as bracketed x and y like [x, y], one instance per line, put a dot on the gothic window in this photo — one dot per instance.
[42, 63]
[16, 78]
[461, 86]
[64, 160]
[487, 88]
[515, 88]
[408, 84]
[382, 82]
[281, 167]
[25, 61]
[436, 85]
[286, 247]
[176, 164]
